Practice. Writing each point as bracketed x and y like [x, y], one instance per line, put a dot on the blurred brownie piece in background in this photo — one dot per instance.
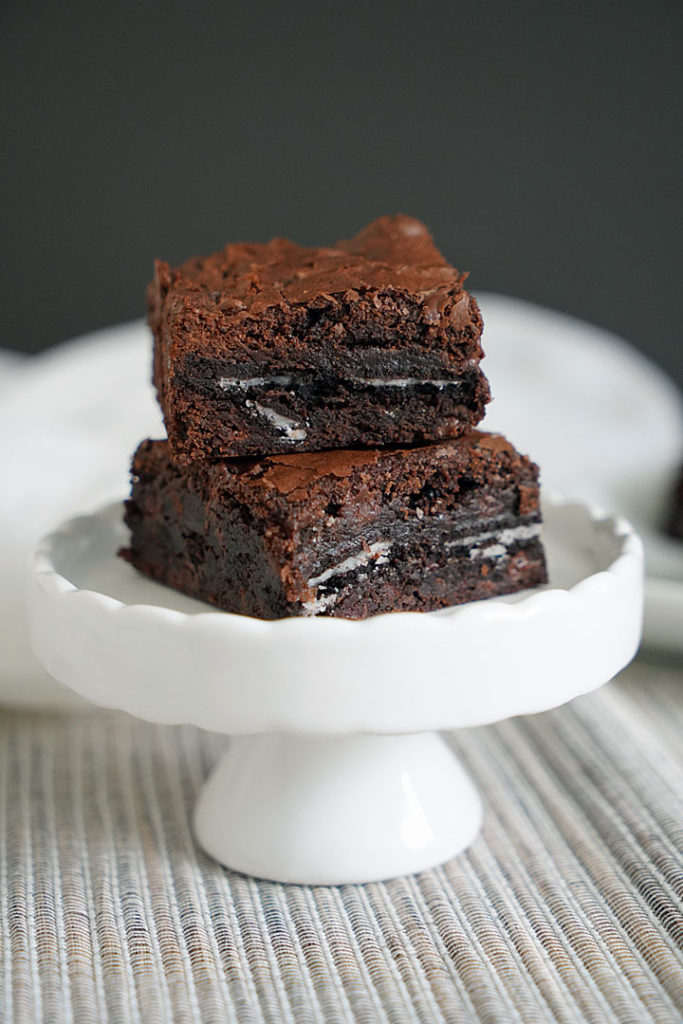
[675, 520]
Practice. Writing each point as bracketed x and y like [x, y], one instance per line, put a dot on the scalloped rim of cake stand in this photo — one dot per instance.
[392, 673]
[336, 773]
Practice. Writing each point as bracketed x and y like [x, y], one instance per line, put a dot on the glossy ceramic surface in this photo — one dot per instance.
[325, 810]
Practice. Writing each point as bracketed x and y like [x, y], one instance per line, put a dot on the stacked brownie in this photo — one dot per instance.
[321, 459]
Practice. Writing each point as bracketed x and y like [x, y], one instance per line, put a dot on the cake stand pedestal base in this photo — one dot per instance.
[332, 809]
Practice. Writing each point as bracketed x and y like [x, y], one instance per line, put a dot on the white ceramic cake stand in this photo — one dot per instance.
[335, 771]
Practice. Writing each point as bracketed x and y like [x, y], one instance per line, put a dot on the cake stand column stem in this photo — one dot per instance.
[336, 809]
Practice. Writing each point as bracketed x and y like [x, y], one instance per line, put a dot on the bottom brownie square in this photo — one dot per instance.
[345, 533]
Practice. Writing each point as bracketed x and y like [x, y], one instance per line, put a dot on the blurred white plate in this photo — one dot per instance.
[69, 421]
[9, 361]
[605, 425]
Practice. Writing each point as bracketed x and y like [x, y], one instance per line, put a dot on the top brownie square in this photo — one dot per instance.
[260, 349]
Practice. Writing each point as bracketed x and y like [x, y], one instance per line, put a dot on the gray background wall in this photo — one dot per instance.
[540, 141]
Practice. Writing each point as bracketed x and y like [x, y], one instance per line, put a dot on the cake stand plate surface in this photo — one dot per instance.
[335, 771]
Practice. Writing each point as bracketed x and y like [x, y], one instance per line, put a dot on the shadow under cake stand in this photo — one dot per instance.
[335, 771]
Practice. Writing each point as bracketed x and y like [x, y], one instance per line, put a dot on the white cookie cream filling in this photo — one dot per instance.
[226, 383]
[290, 429]
[501, 538]
[244, 383]
[376, 553]
[320, 604]
[404, 382]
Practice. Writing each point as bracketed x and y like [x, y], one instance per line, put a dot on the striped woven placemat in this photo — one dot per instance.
[568, 907]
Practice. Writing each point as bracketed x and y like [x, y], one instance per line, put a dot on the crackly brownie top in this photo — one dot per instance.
[297, 478]
[392, 253]
[294, 475]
